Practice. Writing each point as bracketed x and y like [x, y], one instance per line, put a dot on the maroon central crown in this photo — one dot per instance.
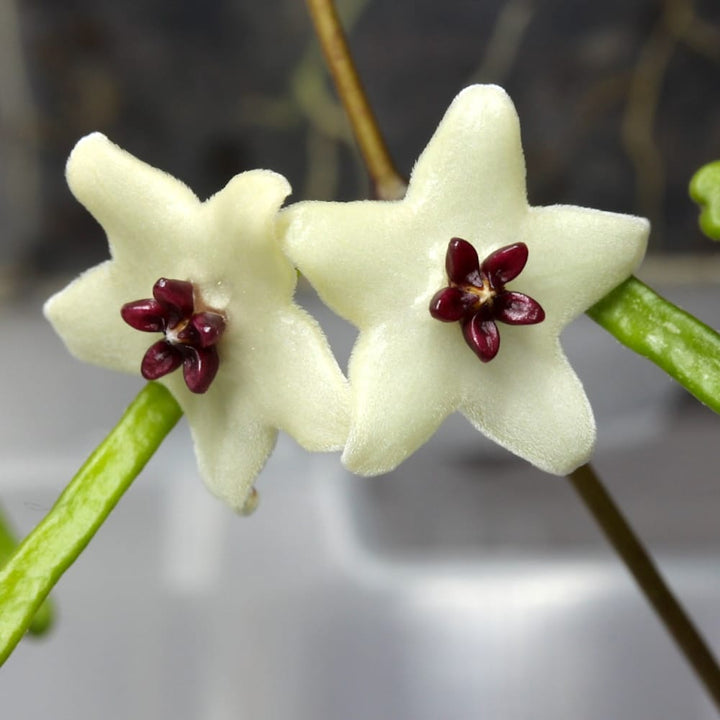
[190, 337]
[476, 295]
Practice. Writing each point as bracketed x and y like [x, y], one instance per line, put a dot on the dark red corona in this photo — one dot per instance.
[190, 337]
[476, 295]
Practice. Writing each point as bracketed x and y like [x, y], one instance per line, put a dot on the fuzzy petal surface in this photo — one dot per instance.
[532, 403]
[578, 256]
[227, 247]
[401, 392]
[380, 264]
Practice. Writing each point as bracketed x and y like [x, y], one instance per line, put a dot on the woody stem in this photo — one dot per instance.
[636, 558]
[387, 182]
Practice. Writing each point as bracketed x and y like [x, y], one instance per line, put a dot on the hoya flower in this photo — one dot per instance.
[200, 296]
[460, 292]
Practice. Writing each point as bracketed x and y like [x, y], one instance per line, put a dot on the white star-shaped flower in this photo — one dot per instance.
[381, 265]
[210, 285]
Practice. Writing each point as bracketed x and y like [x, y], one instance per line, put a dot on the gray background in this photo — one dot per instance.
[618, 100]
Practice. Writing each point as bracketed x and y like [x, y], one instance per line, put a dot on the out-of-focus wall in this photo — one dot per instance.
[619, 101]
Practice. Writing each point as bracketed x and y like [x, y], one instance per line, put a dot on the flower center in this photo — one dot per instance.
[174, 335]
[190, 337]
[476, 296]
[484, 294]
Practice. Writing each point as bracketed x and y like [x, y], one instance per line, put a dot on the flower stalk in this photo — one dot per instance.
[43, 619]
[617, 530]
[685, 348]
[39, 562]
[387, 182]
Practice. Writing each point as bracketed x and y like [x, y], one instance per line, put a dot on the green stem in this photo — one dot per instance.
[630, 549]
[45, 554]
[43, 618]
[685, 348]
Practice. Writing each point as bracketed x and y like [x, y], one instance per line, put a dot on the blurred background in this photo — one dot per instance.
[465, 584]
[618, 100]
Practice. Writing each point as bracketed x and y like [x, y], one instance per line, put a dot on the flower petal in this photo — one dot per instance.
[209, 327]
[130, 199]
[242, 244]
[231, 443]
[160, 359]
[86, 316]
[473, 170]
[577, 255]
[506, 263]
[296, 382]
[200, 367]
[450, 304]
[402, 388]
[514, 308]
[461, 263]
[482, 337]
[532, 403]
[331, 245]
[176, 295]
[144, 315]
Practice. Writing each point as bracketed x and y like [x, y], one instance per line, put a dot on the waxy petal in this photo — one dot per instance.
[577, 255]
[200, 367]
[131, 199]
[85, 315]
[331, 242]
[298, 383]
[505, 264]
[482, 336]
[144, 315]
[176, 295]
[450, 304]
[532, 403]
[160, 359]
[228, 461]
[514, 308]
[461, 263]
[209, 327]
[401, 392]
[472, 171]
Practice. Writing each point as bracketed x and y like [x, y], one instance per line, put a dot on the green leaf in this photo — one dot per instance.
[705, 191]
[45, 554]
[685, 348]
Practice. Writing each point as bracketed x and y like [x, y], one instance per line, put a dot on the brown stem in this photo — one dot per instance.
[387, 183]
[640, 564]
